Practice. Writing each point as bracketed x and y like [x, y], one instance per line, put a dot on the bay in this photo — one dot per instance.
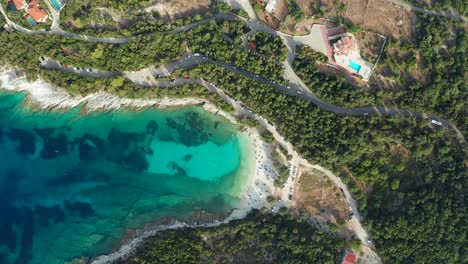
[73, 182]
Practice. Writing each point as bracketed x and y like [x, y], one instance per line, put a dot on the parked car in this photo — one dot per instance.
[435, 122]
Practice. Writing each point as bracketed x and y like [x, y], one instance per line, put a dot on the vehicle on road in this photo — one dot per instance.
[299, 92]
[172, 81]
[435, 122]
[289, 87]
[196, 54]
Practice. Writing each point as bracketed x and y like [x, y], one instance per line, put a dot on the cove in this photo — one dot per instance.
[72, 184]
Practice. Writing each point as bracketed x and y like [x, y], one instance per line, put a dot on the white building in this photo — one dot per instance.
[271, 6]
[346, 55]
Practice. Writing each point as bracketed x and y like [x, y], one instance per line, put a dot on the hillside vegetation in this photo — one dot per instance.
[259, 238]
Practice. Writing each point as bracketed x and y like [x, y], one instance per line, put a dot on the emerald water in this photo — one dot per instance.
[72, 184]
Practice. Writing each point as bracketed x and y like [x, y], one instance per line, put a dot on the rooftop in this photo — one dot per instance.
[345, 45]
[349, 258]
[36, 12]
[18, 4]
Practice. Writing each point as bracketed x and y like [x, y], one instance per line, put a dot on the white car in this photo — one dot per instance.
[299, 92]
[435, 122]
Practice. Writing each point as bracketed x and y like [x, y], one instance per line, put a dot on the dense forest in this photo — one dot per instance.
[259, 238]
[446, 5]
[409, 177]
[439, 53]
[144, 51]
[269, 46]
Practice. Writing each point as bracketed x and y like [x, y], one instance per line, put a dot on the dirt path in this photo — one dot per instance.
[427, 11]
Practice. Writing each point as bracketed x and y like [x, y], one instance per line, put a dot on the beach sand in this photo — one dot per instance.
[258, 185]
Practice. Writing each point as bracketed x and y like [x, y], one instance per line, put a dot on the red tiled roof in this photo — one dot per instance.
[18, 3]
[349, 258]
[335, 31]
[37, 13]
[252, 46]
[347, 45]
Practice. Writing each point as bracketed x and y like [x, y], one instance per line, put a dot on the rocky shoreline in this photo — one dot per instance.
[43, 95]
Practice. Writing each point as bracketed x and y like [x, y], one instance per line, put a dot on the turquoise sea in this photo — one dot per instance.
[72, 184]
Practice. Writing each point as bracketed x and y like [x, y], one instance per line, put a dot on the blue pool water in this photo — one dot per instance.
[73, 184]
[354, 65]
[56, 4]
[13, 7]
[31, 21]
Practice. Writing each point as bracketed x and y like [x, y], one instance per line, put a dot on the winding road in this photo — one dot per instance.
[427, 11]
[296, 87]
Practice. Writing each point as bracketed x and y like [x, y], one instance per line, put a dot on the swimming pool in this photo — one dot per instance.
[354, 65]
[31, 21]
[56, 4]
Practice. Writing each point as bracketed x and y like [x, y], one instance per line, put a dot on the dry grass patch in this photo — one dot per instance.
[173, 9]
[381, 16]
[319, 196]
[370, 45]
[326, 8]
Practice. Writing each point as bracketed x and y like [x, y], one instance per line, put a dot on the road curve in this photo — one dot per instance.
[292, 89]
[427, 11]
[295, 88]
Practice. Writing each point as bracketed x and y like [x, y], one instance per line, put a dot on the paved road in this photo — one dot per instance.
[56, 30]
[244, 5]
[94, 73]
[427, 11]
[296, 87]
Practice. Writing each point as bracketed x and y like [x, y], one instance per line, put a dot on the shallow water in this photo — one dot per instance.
[71, 184]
